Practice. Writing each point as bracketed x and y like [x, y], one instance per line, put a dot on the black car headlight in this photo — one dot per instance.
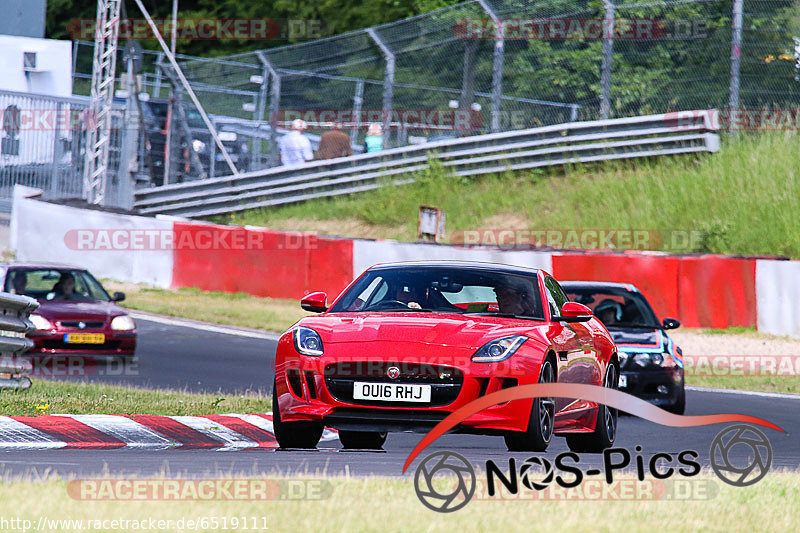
[648, 359]
[307, 341]
[498, 349]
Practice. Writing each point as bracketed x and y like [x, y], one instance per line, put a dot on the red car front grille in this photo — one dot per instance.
[445, 381]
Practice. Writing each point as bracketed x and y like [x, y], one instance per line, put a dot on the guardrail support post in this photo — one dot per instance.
[358, 99]
[736, 54]
[57, 150]
[260, 108]
[388, 83]
[608, 53]
[497, 65]
[468, 76]
[274, 106]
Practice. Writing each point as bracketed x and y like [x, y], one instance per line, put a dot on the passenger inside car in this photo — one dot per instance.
[19, 282]
[64, 289]
[608, 312]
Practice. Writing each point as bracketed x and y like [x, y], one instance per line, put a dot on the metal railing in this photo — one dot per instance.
[14, 325]
[576, 142]
[43, 141]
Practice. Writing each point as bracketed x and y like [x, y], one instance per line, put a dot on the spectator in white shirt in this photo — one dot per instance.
[295, 147]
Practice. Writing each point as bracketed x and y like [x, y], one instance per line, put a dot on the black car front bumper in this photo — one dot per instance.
[659, 386]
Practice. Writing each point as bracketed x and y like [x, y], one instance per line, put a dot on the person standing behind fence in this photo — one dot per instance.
[374, 140]
[334, 143]
[295, 147]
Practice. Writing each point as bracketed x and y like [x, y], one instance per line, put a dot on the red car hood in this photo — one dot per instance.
[429, 328]
[78, 310]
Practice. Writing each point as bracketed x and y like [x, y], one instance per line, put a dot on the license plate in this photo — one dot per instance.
[84, 338]
[391, 392]
[623, 381]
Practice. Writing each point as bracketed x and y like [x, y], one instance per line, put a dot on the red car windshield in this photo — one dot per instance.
[55, 284]
[443, 289]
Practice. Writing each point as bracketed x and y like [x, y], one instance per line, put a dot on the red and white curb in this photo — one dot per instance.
[216, 432]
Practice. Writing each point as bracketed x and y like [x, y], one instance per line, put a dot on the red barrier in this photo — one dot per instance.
[700, 291]
[718, 292]
[259, 261]
[656, 276]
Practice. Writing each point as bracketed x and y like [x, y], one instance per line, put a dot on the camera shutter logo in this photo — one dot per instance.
[448, 464]
[536, 473]
[759, 459]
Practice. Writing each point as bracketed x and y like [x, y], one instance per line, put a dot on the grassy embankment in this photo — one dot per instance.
[743, 200]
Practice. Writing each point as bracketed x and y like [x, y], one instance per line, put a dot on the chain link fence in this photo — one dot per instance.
[496, 65]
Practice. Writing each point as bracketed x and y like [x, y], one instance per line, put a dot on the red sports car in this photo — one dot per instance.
[408, 343]
[76, 316]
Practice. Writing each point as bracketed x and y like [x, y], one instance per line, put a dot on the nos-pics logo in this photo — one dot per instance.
[445, 481]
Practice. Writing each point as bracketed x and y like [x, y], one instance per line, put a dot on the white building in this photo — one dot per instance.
[29, 126]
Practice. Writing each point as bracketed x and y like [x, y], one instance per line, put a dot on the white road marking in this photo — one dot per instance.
[134, 434]
[204, 326]
[215, 430]
[748, 393]
[19, 436]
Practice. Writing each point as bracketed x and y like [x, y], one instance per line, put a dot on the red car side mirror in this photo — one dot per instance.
[574, 312]
[315, 302]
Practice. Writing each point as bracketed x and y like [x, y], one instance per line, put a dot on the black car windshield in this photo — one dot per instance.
[55, 284]
[616, 307]
[460, 290]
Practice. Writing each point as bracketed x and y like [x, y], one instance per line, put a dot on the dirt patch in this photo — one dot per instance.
[512, 221]
[700, 342]
[345, 227]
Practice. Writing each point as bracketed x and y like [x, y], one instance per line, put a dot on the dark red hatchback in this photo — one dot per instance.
[76, 315]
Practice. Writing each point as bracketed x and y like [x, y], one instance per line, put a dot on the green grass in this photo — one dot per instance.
[743, 200]
[233, 309]
[781, 384]
[47, 397]
[383, 504]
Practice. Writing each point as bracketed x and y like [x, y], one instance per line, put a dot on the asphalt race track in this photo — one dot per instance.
[181, 357]
[201, 360]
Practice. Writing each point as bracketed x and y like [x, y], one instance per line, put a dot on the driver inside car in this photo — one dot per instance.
[412, 296]
[514, 298]
[608, 312]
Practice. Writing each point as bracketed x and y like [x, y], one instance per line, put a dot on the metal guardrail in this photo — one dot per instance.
[575, 142]
[14, 325]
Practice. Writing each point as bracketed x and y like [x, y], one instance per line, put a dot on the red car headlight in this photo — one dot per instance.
[307, 341]
[498, 349]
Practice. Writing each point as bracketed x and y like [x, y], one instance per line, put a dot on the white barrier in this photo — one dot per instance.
[46, 232]
[40, 232]
[778, 297]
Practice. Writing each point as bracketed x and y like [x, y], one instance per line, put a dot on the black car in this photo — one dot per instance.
[651, 364]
